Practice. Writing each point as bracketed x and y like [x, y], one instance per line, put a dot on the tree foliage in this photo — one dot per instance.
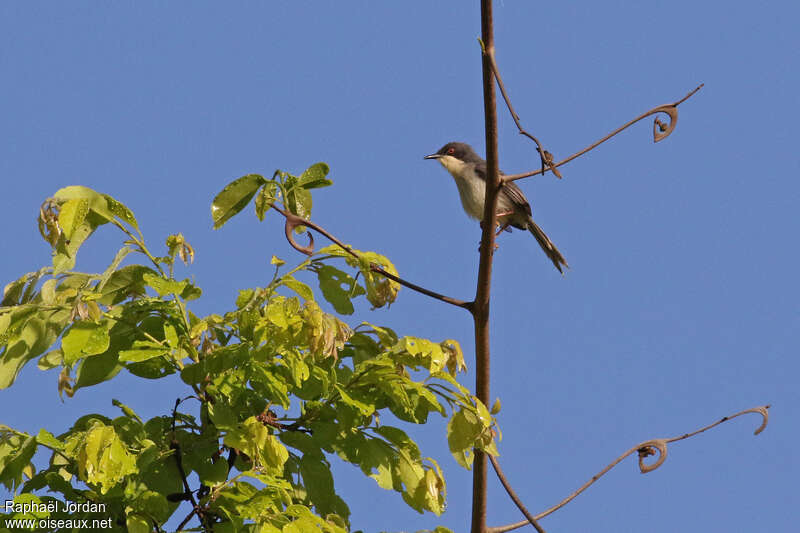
[272, 391]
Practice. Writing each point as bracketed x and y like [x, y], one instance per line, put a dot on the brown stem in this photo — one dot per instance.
[644, 449]
[513, 495]
[480, 309]
[293, 221]
[187, 491]
[186, 520]
[660, 131]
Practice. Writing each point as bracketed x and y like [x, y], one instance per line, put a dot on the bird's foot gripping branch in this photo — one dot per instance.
[269, 392]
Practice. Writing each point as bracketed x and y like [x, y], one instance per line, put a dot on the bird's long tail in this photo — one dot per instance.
[547, 245]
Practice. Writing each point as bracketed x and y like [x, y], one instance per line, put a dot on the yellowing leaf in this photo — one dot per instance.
[254, 439]
[103, 458]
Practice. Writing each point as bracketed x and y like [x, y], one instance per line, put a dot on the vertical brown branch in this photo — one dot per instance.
[480, 310]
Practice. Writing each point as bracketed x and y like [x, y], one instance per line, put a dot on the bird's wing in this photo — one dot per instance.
[516, 195]
[510, 189]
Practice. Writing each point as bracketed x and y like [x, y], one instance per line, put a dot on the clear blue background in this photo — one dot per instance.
[682, 302]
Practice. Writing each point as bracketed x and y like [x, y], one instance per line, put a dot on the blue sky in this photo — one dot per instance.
[681, 305]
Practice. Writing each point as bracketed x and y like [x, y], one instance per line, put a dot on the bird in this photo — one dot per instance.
[469, 172]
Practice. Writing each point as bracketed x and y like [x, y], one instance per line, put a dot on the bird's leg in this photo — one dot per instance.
[479, 244]
[503, 225]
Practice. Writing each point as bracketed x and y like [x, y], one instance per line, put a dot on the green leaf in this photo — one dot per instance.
[121, 211]
[366, 409]
[303, 290]
[429, 492]
[269, 385]
[67, 249]
[234, 197]
[399, 438]
[78, 222]
[137, 524]
[47, 439]
[98, 203]
[22, 502]
[51, 359]
[102, 457]
[124, 251]
[72, 215]
[300, 202]
[266, 197]
[211, 473]
[338, 288]
[190, 292]
[83, 339]
[315, 386]
[21, 291]
[380, 290]
[314, 176]
[276, 313]
[496, 406]
[152, 368]
[130, 413]
[142, 351]
[164, 286]
[463, 430]
[254, 439]
[215, 363]
[125, 282]
[48, 291]
[29, 335]
[15, 455]
[222, 416]
[375, 458]
[171, 335]
[318, 481]
[99, 368]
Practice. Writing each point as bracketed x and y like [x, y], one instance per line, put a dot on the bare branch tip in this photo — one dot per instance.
[764, 412]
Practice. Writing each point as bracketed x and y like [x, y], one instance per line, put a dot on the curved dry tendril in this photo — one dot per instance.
[293, 221]
[644, 449]
[660, 131]
[513, 495]
[544, 155]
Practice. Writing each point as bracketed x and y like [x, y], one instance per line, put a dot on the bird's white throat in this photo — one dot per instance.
[471, 188]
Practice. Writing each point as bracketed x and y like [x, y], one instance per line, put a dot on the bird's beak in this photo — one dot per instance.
[432, 156]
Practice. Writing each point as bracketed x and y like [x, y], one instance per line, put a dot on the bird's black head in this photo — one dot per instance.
[460, 151]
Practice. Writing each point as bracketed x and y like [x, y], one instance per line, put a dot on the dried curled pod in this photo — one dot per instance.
[293, 221]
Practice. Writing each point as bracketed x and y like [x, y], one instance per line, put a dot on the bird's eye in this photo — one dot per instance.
[451, 151]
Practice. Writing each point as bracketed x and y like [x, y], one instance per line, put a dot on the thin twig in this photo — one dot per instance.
[660, 131]
[293, 221]
[513, 495]
[544, 155]
[644, 449]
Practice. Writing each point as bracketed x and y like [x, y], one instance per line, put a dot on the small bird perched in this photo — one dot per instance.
[513, 209]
